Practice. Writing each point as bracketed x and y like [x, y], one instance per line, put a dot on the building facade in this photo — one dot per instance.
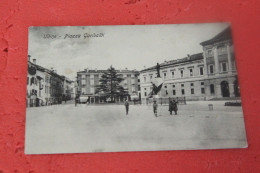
[203, 76]
[45, 87]
[88, 80]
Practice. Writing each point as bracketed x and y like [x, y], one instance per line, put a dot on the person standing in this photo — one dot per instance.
[76, 101]
[126, 106]
[155, 106]
[175, 107]
[171, 107]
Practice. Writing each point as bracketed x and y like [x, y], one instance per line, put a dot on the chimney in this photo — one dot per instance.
[29, 58]
[34, 61]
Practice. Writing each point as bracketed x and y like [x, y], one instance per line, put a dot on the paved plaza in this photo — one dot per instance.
[105, 128]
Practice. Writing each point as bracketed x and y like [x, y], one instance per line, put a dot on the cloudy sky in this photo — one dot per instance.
[125, 46]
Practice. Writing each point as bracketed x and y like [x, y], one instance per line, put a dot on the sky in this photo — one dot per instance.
[123, 46]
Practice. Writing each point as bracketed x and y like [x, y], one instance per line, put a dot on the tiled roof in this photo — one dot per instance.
[222, 36]
[194, 57]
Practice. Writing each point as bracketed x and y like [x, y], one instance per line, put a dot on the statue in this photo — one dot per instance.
[158, 70]
[156, 83]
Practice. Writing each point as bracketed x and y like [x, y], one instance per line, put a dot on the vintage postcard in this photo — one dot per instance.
[132, 88]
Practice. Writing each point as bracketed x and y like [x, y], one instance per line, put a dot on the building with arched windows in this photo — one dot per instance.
[203, 76]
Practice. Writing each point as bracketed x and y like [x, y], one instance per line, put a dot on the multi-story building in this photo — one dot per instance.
[202, 76]
[67, 89]
[88, 80]
[44, 86]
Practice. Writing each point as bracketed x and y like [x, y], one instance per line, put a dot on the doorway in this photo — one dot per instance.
[225, 89]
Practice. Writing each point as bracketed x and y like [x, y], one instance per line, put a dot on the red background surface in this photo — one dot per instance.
[17, 15]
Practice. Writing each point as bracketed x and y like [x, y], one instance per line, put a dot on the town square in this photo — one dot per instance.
[70, 129]
[107, 102]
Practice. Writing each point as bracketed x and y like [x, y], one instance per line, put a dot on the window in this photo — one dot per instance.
[211, 69]
[224, 67]
[144, 79]
[32, 80]
[202, 83]
[172, 74]
[191, 84]
[144, 88]
[212, 89]
[181, 71]
[209, 52]
[192, 91]
[165, 86]
[145, 94]
[182, 85]
[222, 49]
[27, 80]
[166, 92]
[201, 71]
[173, 86]
[82, 76]
[164, 75]
[202, 90]
[173, 92]
[182, 91]
[191, 72]
[151, 77]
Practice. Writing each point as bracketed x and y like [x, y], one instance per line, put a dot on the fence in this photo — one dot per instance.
[180, 100]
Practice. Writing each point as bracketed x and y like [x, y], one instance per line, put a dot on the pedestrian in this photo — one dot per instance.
[175, 107]
[76, 101]
[126, 106]
[171, 107]
[155, 106]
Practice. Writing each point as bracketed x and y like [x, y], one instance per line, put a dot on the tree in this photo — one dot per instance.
[110, 85]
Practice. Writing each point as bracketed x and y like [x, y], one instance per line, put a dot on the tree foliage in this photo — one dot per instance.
[110, 84]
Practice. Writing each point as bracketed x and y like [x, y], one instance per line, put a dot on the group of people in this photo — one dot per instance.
[172, 107]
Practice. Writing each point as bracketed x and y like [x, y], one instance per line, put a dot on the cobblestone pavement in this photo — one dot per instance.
[90, 128]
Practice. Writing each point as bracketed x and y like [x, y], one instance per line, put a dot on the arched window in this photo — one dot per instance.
[212, 89]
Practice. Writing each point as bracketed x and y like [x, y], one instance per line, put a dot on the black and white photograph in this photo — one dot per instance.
[128, 88]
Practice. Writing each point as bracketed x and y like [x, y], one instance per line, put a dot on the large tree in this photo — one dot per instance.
[110, 85]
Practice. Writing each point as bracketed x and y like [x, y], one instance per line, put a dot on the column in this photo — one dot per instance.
[218, 91]
[229, 59]
[205, 64]
[215, 51]
[231, 89]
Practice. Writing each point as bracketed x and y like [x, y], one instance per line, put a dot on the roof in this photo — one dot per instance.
[190, 58]
[103, 71]
[43, 69]
[222, 36]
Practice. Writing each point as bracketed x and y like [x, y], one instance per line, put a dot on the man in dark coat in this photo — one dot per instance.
[126, 106]
[171, 107]
[175, 107]
[155, 107]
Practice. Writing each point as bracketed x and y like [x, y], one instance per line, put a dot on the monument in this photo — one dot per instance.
[157, 83]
